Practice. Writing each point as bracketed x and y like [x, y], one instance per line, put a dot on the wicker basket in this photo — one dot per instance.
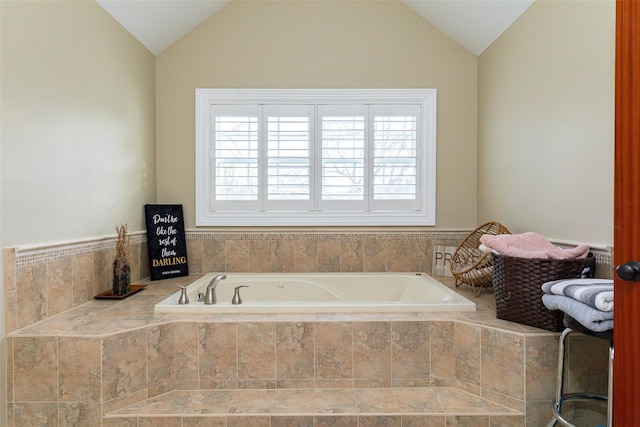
[469, 264]
[517, 286]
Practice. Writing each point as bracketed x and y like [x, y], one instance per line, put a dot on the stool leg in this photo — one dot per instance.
[557, 405]
[561, 397]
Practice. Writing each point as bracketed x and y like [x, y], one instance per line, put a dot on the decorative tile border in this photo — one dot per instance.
[603, 257]
[427, 235]
[48, 252]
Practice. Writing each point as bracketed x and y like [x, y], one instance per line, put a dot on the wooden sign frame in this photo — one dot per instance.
[166, 241]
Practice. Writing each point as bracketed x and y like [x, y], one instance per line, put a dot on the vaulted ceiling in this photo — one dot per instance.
[475, 24]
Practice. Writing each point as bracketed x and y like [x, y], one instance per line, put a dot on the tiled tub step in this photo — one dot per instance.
[388, 407]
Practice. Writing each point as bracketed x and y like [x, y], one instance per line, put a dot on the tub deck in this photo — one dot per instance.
[231, 370]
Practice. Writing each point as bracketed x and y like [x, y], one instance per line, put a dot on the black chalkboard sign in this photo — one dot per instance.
[166, 241]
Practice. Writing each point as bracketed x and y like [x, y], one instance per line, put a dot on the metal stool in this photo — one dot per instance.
[558, 419]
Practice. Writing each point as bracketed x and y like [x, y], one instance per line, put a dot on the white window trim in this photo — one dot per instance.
[426, 98]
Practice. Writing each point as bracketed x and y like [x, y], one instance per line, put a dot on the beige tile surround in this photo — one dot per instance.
[70, 367]
[43, 282]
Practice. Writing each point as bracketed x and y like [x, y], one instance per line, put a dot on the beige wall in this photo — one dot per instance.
[78, 125]
[276, 44]
[77, 128]
[545, 122]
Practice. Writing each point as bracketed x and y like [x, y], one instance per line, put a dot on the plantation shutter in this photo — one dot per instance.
[342, 156]
[288, 155]
[395, 165]
[235, 157]
[315, 157]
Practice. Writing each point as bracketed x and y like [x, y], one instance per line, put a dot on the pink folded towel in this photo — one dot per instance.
[529, 245]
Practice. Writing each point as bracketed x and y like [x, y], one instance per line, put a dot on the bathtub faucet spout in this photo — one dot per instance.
[210, 296]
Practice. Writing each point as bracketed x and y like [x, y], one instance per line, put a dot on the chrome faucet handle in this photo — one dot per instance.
[184, 298]
[236, 295]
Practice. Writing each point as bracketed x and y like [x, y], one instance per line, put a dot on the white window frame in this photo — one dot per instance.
[423, 214]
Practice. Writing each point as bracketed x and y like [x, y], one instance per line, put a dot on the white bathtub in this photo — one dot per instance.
[321, 293]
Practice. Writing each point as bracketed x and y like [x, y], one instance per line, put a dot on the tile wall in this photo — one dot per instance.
[322, 252]
[43, 282]
[77, 378]
[52, 372]
[46, 371]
